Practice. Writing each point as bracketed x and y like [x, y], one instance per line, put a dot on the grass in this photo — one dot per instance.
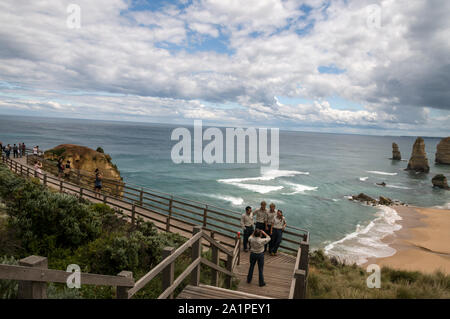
[329, 278]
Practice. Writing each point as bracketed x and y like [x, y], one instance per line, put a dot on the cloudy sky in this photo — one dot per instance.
[370, 67]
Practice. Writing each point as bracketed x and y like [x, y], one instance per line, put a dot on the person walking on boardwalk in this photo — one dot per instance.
[257, 255]
[67, 169]
[279, 224]
[247, 225]
[38, 169]
[269, 224]
[98, 183]
[60, 166]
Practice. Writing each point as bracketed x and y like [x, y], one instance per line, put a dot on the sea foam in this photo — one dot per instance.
[382, 173]
[366, 241]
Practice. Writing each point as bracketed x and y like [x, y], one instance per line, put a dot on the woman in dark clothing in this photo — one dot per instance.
[98, 182]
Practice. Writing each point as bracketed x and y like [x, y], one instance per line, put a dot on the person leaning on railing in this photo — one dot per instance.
[247, 225]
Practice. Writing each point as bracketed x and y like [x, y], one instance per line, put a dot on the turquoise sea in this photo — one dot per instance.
[317, 173]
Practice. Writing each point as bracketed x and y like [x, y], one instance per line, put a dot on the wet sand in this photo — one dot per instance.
[423, 242]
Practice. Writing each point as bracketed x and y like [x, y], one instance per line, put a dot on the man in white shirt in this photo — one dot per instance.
[269, 223]
[247, 225]
[257, 255]
[260, 215]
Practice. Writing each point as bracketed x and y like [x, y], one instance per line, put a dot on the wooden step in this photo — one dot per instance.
[211, 292]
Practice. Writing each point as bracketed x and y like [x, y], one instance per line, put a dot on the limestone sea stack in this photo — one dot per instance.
[396, 153]
[440, 181]
[418, 161]
[443, 151]
[86, 160]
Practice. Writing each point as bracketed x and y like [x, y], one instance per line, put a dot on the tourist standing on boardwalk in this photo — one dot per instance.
[8, 151]
[35, 150]
[15, 151]
[98, 182]
[279, 224]
[257, 255]
[24, 149]
[247, 225]
[260, 215]
[269, 223]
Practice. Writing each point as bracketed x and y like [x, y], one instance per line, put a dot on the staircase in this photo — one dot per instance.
[211, 292]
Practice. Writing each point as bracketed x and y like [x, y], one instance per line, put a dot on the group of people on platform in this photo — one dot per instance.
[264, 235]
[18, 150]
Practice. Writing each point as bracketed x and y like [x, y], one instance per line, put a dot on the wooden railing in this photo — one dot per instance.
[138, 201]
[33, 275]
[300, 275]
[167, 266]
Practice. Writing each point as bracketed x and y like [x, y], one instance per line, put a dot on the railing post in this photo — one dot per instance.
[133, 214]
[205, 215]
[300, 284]
[168, 274]
[215, 260]
[60, 186]
[236, 241]
[141, 197]
[78, 177]
[45, 179]
[104, 199]
[196, 253]
[170, 214]
[33, 289]
[81, 193]
[228, 278]
[304, 257]
[122, 292]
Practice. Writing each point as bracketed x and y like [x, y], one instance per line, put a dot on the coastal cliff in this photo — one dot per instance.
[443, 151]
[418, 161]
[396, 153]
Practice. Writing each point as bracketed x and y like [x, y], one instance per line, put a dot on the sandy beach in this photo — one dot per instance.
[423, 242]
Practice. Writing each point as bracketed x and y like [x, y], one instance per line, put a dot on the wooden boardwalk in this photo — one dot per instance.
[278, 270]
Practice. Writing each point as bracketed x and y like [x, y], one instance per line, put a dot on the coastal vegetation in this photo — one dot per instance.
[34, 220]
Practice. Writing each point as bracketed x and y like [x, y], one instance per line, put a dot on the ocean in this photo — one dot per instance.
[317, 172]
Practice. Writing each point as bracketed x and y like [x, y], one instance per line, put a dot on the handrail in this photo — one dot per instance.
[294, 280]
[158, 268]
[218, 245]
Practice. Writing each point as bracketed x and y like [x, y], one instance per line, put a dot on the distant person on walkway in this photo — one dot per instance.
[35, 150]
[247, 225]
[279, 224]
[269, 223]
[257, 255]
[67, 169]
[260, 215]
[38, 169]
[98, 183]
[8, 151]
[1, 148]
[60, 166]
[15, 151]
[24, 149]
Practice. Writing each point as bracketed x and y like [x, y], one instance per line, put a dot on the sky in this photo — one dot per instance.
[344, 66]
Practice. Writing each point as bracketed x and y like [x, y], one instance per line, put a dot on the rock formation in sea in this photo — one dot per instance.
[443, 151]
[85, 160]
[396, 153]
[418, 161]
[366, 199]
[440, 181]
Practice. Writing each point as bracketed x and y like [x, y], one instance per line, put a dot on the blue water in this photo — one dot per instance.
[317, 171]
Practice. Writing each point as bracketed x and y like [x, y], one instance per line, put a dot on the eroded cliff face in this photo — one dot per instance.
[418, 161]
[443, 151]
[395, 152]
[85, 159]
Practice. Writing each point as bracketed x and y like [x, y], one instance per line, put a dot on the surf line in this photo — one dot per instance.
[213, 152]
